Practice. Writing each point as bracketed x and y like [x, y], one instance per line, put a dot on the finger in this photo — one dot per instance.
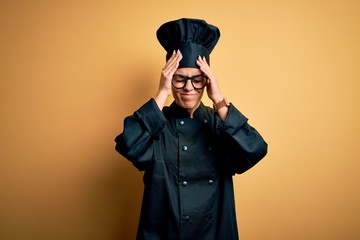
[173, 63]
[173, 58]
[174, 67]
[170, 59]
[201, 62]
[203, 66]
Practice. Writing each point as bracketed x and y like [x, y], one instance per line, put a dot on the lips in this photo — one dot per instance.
[188, 95]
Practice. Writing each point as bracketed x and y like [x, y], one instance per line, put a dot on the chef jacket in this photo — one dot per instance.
[189, 164]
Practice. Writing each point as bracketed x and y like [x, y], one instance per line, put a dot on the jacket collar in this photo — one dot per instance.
[179, 112]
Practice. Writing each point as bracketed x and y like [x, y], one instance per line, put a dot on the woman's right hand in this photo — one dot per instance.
[168, 71]
[166, 76]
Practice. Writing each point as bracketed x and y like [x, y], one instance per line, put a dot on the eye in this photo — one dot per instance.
[198, 79]
[178, 78]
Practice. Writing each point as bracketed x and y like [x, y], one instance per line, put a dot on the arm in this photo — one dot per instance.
[136, 142]
[241, 145]
[165, 80]
[212, 88]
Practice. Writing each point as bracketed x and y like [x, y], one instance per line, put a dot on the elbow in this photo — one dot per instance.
[137, 155]
[120, 146]
[258, 152]
[263, 150]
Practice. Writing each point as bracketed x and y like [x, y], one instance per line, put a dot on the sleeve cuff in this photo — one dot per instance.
[233, 120]
[152, 117]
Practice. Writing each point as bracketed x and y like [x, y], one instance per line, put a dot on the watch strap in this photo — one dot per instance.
[221, 104]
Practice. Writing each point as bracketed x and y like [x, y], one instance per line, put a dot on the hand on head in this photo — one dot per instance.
[172, 65]
[212, 87]
[168, 71]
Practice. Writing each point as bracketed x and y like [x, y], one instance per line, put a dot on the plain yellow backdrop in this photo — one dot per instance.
[70, 72]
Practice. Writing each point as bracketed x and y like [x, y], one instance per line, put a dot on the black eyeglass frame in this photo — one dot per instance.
[185, 79]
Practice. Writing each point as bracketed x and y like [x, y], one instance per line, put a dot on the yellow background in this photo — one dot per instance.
[71, 71]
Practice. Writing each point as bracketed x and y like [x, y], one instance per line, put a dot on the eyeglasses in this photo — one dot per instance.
[197, 81]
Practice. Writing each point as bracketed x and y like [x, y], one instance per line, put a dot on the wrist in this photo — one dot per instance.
[220, 104]
[217, 99]
[160, 98]
[163, 93]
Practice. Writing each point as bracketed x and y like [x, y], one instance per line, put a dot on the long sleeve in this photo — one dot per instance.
[188, 164]
[136, 142]
[241, 145]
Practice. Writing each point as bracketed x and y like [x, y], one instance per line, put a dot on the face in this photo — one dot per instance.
[187, 97]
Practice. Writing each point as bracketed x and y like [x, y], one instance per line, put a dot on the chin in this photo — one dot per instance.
[188, 105]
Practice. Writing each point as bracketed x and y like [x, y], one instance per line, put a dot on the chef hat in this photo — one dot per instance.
[193, 37]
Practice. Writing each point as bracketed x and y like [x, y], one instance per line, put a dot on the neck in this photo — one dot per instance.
[192, 110]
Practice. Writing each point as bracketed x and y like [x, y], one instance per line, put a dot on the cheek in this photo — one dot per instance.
[201, 94]
[175, 93]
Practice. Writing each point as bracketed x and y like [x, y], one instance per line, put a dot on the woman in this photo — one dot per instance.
[189, 151]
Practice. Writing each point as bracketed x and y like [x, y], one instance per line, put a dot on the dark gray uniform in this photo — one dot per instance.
[189, 164]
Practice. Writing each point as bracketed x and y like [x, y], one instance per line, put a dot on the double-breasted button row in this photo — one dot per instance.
[187, 218]
[185, 183]
[185, 148]
[181, 122]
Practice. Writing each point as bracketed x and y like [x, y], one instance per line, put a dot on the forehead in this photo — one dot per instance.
[188, 71]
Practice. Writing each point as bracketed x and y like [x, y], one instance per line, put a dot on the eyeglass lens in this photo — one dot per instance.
[198, 81]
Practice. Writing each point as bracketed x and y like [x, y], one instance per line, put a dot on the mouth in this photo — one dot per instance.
[188, 95]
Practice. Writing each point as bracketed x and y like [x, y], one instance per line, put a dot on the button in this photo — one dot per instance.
[184, 183]
[209, 216]
[187, 218]
[210, 149]
[205, 120]
[182, 122]
[185, 148]
[211, 182]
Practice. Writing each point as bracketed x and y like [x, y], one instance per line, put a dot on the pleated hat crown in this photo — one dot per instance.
[193, 37]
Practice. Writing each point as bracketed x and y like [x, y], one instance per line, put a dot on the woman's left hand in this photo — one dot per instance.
[212, 87]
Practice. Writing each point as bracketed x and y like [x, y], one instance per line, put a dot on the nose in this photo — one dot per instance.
[188, 85]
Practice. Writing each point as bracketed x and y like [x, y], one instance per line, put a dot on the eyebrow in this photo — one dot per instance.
[176, 74]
